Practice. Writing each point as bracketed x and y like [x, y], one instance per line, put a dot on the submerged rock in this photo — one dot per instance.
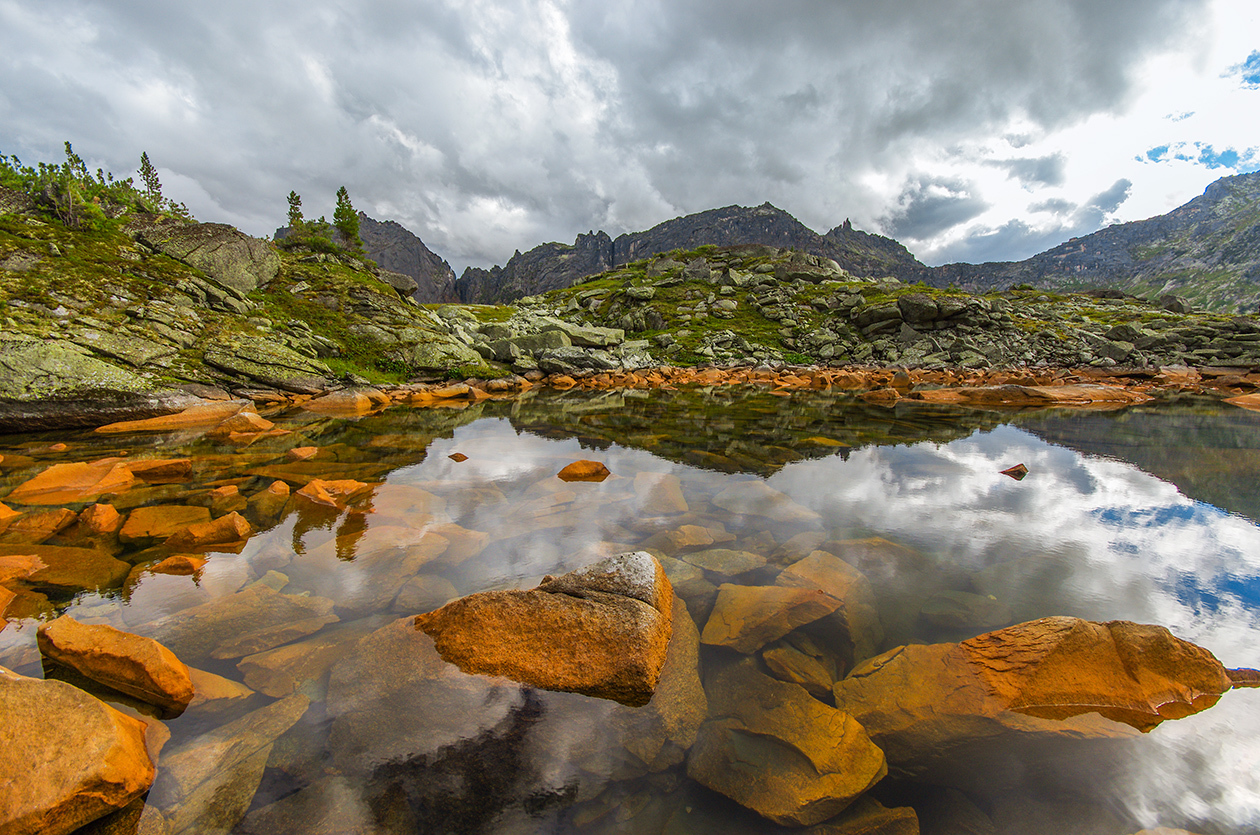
[960, 714]
[602, 630]
[772, 747]
[68, 757]
[140, 667]
[746, 618]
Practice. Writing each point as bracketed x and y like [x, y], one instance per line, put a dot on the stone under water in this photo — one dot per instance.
[602, 630]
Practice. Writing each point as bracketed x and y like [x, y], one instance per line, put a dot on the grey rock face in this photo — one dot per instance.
[227, 255]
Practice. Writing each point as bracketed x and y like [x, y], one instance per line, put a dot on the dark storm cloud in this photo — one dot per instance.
[930, 205]
[487, 126]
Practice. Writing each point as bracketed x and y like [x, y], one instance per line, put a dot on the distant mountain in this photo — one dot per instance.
[395, 248]
[1207, 251]
[553, 266]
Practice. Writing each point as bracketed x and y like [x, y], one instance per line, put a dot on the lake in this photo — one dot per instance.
[1145, 514]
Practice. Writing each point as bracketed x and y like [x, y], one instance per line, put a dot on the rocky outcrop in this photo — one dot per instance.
[775, 749]
[552, 266]
[395, 248]
[549, 266]
[140, 667]
[230, 257]
[68, 758]
[606, 629]
[1005, 694]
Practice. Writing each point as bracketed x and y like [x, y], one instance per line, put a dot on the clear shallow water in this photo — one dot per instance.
[1145, 515]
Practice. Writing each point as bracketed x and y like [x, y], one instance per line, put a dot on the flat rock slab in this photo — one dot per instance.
[68, 758]
[65, 570]
[255, 619]
[75, 482]
[602, 630]
[756, 498]
[746, 618]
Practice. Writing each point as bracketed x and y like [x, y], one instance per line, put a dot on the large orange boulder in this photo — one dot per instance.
[602, 630]
[994, 700]
[140, 667]
[773, 748]
[584, 470]
[68, 757]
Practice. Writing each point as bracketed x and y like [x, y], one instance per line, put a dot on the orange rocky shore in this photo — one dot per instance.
[1020, 388]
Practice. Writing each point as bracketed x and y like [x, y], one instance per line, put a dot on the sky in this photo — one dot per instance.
[970, 130]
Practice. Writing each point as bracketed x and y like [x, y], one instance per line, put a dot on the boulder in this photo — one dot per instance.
[660, 493]
[140, 667]
[961, 610]
[725, 561]
[584, 471]
[100, 519]
[993, 700]
[68, 757]
[746, 618]
[222, 252]
[773, 748]
[64, 570]
[821, 570]
[226, 529]
[269, 363]
[602, 630]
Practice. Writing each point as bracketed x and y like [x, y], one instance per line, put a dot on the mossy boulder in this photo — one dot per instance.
[227, 255]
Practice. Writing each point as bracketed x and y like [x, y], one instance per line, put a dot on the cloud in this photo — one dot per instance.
[1018, 239]
[1047, 171]
[487, 126]
[930, 205]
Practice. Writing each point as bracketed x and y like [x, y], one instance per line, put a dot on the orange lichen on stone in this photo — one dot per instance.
[75, 482]
[332, 493]
[161, 522]
[179, 565]
[208, 414]
[140, 667]
[584, 470]
[241, 422]
[101, 519]
[226, 529]
[162, 470]
[301, 453]
[610, 642]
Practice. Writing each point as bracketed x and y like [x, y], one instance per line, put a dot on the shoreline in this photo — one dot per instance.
[1090, 388]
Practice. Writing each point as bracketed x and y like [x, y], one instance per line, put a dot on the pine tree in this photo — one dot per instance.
[295, 213]
[152, 185]
[346, 219]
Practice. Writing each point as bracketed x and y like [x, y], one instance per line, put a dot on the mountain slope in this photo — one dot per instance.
[395, 248]
[553, 266]
[1207, 251]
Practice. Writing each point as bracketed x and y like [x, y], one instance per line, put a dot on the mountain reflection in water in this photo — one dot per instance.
[1144, 514]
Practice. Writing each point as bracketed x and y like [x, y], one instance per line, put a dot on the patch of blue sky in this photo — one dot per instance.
[1241, 161]
[1192, 512]
[1249, 70]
